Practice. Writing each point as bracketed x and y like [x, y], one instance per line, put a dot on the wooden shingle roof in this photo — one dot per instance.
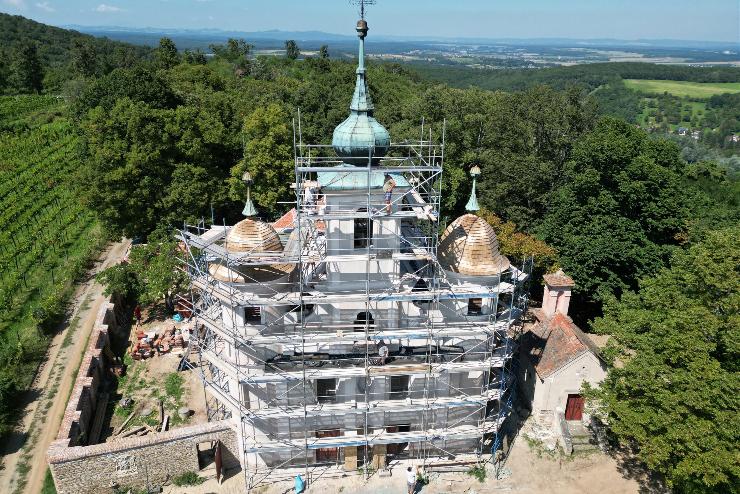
[469, 246]
[252, 237]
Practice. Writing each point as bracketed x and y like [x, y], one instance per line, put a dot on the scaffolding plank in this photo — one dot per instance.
[377, 438]
[246, 375]
[354, 407]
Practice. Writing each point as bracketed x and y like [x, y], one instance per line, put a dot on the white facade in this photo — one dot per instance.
[391, 354]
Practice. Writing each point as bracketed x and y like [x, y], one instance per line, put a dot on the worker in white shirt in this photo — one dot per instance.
[410, 480]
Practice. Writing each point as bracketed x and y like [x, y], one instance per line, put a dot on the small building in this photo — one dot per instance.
[682, 131]
[556, 358]
[696, 135]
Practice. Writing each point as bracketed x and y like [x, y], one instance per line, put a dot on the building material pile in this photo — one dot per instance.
[150, 344]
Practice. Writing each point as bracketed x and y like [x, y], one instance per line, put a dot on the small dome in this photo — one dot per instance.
[469, 246]
[251, 237]
[359, 136]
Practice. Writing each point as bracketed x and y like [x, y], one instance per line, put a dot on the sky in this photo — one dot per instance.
[701, 20]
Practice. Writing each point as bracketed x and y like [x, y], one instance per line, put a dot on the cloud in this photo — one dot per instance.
[20, 4]
[45, 6]
[107, 8]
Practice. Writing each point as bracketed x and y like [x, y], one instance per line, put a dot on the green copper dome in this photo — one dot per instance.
[360, 136]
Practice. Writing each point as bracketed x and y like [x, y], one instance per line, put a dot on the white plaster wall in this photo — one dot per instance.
[552, 393]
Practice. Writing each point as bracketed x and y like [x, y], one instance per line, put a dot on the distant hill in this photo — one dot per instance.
[54, 43]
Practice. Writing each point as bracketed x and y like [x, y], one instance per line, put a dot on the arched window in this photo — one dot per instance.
[362, 319]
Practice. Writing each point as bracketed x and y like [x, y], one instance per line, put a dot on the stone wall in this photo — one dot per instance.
[79, 468]
[132, 461]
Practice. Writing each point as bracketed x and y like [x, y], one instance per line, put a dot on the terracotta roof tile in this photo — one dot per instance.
[286, 221]
[554, 342]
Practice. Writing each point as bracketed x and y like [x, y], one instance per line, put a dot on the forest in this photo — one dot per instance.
[165, 138]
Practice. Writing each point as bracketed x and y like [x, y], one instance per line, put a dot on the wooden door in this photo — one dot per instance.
[327, 455]
[574, 407]
[219, 462]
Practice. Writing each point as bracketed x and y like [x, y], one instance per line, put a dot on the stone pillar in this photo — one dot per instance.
[558, 288]
[350, 458]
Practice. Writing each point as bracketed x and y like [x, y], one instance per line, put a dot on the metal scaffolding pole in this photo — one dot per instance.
[262, 358]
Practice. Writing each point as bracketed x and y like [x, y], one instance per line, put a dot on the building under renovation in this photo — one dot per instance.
[364, 333]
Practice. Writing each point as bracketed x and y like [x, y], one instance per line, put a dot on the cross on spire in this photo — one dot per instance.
[363, 4]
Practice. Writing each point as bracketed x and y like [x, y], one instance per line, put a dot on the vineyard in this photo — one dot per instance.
[47, 236]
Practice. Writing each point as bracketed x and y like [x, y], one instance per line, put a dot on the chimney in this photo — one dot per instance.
[557, 293]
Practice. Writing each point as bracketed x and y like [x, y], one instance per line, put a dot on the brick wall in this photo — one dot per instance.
[79, 468]
[80, 411]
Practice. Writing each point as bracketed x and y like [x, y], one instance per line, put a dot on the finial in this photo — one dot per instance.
[472, 204]
[362, 4]
[249, 209]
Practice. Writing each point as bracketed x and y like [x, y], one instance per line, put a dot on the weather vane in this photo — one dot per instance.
[362, 4]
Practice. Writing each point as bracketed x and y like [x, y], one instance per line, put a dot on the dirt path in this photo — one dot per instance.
[527, 471]
[24, 456]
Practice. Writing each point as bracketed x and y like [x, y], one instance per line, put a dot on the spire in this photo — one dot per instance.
[472, 204]
[360, 139]
[249, 209]
[361, 100]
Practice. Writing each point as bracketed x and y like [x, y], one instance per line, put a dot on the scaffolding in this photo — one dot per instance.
[367, 311]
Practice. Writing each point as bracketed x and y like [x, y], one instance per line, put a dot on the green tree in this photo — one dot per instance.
[166, 55]
[26, 72]
[675, 397]
[196, 57]
[84, 58]
[620, 210]
[518, 245]
[324, 52]
[233, 51]
[268, 157]
[291, 49]
[151, 274]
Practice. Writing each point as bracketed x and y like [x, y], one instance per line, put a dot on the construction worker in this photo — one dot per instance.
[388, 187]
[410, 480]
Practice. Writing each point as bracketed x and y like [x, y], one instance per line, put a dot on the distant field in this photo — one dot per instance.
[683, 88]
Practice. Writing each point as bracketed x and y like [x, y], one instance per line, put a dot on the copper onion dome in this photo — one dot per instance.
[361, 138]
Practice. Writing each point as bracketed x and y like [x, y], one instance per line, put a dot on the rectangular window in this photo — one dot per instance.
[326, 390]
[475, 306]
[363, 232]
[252, 315]
[399, 387]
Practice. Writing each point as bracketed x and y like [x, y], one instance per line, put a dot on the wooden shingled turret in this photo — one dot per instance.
[469, 246]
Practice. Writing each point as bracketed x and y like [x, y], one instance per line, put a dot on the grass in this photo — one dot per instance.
[173, 385]
[133, 385]
[479, 472]
[187, 478]
[48, 487]
[683, 89]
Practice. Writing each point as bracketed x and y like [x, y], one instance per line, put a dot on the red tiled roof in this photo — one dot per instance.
[286, 221]
[554, 342]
